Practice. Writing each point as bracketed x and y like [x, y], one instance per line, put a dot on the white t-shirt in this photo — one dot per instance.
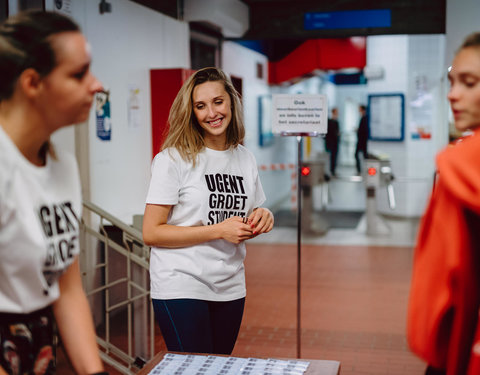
[222, 184]
[39, 212]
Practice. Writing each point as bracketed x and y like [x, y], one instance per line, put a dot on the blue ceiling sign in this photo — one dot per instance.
[351, 19]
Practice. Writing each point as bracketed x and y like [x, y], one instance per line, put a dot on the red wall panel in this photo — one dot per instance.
[164, 86]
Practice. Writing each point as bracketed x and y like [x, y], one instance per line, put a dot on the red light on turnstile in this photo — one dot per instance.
[372, 171]
[305, 171]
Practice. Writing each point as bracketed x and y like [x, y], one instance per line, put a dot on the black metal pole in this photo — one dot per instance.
[299, 136]
[299, 244]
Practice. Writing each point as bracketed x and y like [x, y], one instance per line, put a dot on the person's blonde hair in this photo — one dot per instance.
[185, 134]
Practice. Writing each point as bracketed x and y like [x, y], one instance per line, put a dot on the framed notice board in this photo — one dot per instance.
[386, 115]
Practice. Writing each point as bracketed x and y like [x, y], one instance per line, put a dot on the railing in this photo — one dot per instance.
[114, 262]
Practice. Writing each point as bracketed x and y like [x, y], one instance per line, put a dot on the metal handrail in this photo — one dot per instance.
[136, 255]
[135, 233]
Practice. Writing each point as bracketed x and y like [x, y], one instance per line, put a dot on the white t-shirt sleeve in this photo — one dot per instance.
[259, 193]
[2, 208]
[165, 182]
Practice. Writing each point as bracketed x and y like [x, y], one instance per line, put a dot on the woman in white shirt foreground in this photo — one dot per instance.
[46, 85]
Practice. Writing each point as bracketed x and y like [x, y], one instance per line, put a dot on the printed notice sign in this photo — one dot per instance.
[302, 113]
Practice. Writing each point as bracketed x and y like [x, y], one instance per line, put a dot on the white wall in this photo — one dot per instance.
[425, 86]
[390, 52]
[462, 19]
[126, 44]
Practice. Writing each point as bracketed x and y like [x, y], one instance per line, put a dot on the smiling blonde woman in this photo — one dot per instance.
[202, 205]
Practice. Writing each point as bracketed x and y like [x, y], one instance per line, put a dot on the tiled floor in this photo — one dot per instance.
[353, 300]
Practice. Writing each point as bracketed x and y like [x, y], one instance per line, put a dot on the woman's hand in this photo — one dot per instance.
[156, 231]
[235, 229]
[261, 221]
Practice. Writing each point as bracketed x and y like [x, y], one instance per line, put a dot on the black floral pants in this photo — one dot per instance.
[27, 343]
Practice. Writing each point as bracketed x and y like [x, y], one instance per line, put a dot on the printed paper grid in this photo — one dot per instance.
[179, 364]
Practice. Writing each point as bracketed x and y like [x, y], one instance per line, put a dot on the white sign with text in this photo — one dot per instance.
[301, 113]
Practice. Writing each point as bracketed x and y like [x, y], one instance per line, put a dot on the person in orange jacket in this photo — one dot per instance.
[444, 302]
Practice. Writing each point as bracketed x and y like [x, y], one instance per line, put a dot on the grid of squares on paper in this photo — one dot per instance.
[179, 364]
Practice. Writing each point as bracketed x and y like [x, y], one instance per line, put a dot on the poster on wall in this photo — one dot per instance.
[299, 114]
[133, 107]
[102, 113]
[386, 116]
[421, 110]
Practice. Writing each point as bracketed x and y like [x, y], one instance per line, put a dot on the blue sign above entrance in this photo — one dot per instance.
[351, 19]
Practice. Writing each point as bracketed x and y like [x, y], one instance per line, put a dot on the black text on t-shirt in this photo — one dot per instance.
[227, 197]
[60, 226]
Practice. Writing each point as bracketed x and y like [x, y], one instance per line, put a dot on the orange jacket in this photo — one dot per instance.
[445, 292]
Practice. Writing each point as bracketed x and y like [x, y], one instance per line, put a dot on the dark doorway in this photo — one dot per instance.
[238, 84]
[202, 54]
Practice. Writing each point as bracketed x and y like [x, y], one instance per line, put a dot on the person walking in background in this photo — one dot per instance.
[362, 137]
[332, 140]
[443, 313]
[46, 85]
[202, 204]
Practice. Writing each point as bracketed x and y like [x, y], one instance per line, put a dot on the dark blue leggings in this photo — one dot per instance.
[197, 326]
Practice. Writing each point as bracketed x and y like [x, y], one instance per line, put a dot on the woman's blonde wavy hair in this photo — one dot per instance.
[184, 133]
